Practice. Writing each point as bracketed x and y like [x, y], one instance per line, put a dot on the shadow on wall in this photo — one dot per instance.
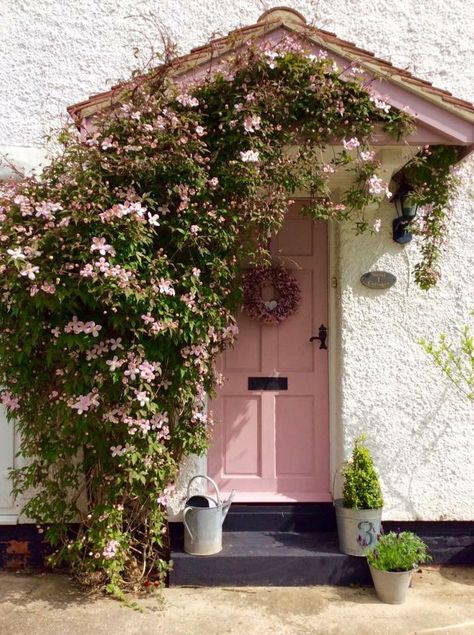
[424, 442]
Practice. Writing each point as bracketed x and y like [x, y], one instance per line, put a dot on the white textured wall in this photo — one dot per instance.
[421, 430]
[57, 52]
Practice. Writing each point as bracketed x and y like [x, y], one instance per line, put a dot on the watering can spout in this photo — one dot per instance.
[227, 504]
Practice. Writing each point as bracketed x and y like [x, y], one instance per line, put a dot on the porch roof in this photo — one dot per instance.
[447, 118]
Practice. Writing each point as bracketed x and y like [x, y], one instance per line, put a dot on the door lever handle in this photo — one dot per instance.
[322, 336]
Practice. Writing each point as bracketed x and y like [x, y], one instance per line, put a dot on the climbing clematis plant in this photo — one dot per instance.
[120, 278]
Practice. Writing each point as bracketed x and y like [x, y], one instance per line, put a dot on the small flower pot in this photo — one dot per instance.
[357, 529]
[391, 586]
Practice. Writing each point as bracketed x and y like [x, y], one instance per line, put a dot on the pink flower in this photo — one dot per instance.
[142, 397]
[377, 186]
[159, 420]
[137, 208]
[328, 168]
[200, 131]
[100, 245]
[92, 328]
[87, 271]
[166, 287]
[165, 497]
[186, 100]
[352, 144]
[272, 56]
[114, 344]
[377, 224]
[110, 550]
[9, 401]
[252, 123]
[148, 318]
[157, 327]
[153, 219]
[46, 209]
[147, 370]
[131, 371]
[16, 254]
[380, 103]
[74, 326]
[114, 363]
[29, 271]
[24, 203]
[367, 156]
[102, 265]
[48, 287]
[83, 404]
[194, 229]
[250, 156]
[107, 143]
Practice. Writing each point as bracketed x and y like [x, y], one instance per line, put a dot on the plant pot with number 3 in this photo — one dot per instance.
[359, 511]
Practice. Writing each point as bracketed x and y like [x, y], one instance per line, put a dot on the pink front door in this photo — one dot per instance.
[273, 445]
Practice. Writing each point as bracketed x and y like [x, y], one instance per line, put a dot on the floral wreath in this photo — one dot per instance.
[278, 309]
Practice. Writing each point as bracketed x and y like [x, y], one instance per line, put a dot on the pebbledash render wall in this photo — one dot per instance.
[55, 53]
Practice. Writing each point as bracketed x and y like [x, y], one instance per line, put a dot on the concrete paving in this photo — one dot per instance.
[441, 601]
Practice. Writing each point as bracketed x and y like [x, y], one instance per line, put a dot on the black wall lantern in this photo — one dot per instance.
[406, 211]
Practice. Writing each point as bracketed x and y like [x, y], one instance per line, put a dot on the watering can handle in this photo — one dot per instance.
[186, 509]
[208, 478]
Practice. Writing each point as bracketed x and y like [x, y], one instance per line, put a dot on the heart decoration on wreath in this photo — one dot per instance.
[273, 311]
[271, 305]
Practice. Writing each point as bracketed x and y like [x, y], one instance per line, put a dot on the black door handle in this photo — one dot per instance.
[323, 333]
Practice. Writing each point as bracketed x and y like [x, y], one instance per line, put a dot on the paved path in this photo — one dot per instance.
[440, 602]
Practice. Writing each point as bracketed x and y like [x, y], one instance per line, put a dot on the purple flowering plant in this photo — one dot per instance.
[398, 551]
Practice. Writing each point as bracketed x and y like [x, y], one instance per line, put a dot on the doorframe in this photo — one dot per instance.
[334, 359]
[334, 353]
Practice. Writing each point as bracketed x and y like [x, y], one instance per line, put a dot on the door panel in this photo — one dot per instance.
[242, 433]
[292, 350]
[294, 436]
[247, 356]
[274, 445]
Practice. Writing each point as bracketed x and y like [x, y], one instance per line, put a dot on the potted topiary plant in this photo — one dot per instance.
[391, 563]
[359, 512]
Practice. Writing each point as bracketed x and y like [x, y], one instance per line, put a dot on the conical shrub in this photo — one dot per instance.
[361, 483]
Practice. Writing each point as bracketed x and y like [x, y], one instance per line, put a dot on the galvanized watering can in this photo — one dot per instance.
[203, 517]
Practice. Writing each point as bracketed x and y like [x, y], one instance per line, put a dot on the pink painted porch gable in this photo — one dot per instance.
[440, 117]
